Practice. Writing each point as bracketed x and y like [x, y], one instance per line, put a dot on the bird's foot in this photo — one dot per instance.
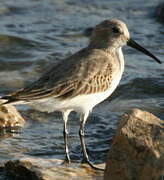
[67, 160]
[87, 161]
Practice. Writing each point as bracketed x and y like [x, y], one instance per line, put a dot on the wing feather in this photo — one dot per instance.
[83, 73]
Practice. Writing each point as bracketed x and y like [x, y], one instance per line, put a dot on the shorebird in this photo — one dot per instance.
[83, 80]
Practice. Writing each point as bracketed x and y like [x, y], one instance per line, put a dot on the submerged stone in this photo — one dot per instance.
[159, 13]
[50, 169]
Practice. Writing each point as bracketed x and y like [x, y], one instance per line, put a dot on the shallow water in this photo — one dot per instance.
[36, 33]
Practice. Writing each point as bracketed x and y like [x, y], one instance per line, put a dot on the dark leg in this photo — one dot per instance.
[81, 134]
[65, 134]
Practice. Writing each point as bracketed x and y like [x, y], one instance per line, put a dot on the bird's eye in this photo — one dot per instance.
[116, 30]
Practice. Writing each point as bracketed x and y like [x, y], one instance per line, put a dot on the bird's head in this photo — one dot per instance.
[113, 34]
[110, 34]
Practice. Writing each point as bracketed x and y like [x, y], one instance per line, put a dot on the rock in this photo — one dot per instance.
[159, 13]
[10, 117]
[137, 152]
[49, 169]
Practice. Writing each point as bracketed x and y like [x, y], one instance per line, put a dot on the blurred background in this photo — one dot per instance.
[37, 33]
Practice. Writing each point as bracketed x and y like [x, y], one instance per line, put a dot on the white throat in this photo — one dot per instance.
[120, 58]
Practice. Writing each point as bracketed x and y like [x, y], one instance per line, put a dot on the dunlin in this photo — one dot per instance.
[83, 80]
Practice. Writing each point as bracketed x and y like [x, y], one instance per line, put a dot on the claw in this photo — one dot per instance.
[86, 161]
[67, 160]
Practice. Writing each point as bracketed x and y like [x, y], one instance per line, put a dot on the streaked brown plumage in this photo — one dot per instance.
[81, 76]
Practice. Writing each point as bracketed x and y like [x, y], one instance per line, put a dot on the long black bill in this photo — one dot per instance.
[135, 45]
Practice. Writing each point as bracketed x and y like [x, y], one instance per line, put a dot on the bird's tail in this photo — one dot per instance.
[7, 100]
